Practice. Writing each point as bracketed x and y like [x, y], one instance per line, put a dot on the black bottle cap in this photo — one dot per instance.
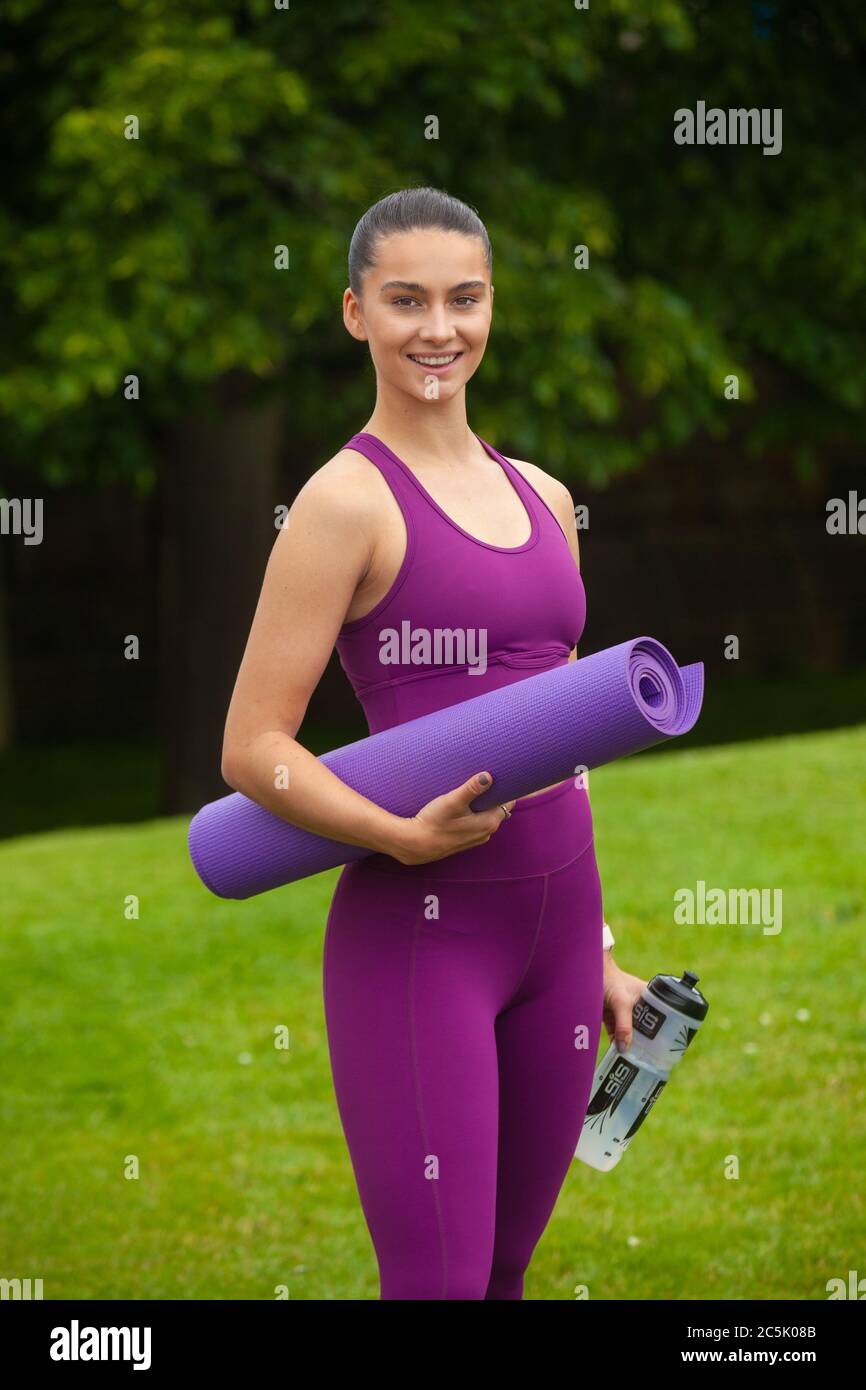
[680, 994]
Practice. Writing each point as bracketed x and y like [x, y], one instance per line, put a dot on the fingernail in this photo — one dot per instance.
[621, 1046]
[483, 779]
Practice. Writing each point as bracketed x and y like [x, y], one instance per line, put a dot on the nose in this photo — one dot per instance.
[438, 327]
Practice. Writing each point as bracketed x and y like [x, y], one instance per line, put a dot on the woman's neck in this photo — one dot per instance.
[429, 431]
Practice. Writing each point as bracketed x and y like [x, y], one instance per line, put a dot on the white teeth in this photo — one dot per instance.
[433, 361]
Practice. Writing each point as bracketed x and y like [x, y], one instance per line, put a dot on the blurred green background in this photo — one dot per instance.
[164, 386]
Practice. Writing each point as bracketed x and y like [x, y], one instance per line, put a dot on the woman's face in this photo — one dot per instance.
[429, 296]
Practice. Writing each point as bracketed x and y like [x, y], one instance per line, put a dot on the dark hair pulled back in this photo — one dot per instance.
[411, 209]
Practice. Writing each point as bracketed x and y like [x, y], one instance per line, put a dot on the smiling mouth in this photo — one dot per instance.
[434, 361]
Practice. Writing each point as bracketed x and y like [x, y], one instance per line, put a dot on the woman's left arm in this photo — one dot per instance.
[621, 990]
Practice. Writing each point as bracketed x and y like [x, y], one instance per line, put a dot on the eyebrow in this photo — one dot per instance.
[421, 289]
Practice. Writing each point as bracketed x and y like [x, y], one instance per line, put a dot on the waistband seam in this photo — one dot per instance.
[541, 798]
[486, 878]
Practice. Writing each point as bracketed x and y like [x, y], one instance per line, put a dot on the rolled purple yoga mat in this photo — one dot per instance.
[529, 734]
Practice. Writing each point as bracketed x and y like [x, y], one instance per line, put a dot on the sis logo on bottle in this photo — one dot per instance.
[646, 1019]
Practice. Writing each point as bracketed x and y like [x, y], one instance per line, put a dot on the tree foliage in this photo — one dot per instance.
[261, 127]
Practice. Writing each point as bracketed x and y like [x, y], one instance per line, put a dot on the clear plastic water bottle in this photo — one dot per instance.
[627, 1084]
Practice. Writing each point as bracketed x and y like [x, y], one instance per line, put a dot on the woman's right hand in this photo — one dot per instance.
[446, 825]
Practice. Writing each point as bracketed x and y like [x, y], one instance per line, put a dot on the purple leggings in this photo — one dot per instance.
[463, 1005]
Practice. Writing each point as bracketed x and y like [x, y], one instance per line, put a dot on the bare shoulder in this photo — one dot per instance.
[347, 474]
[345, 488]
[552, 490]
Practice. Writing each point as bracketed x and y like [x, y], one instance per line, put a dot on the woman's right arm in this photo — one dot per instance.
[318, 560]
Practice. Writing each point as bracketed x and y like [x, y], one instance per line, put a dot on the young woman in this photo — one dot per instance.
[465, 980]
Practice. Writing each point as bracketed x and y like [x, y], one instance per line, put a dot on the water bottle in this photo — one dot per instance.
[627, 1084]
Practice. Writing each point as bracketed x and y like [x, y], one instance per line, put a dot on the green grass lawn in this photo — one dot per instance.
[154, 1038]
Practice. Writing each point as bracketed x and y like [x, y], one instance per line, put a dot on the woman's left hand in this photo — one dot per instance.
[621, 992]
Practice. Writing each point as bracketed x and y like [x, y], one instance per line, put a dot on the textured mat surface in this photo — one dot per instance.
[529, 734]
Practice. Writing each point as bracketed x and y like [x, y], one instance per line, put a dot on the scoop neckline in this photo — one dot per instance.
[531, 539]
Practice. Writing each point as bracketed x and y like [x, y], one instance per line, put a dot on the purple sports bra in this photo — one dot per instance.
[462, 616]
